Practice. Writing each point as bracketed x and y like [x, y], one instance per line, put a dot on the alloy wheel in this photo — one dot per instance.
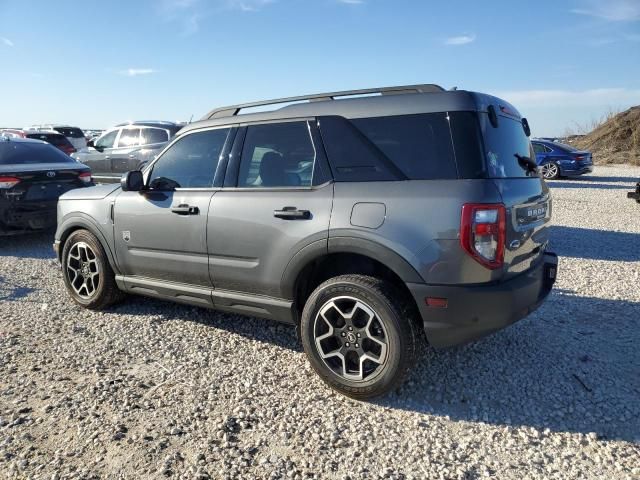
[83, 270]
[351, 339]
[549, 170]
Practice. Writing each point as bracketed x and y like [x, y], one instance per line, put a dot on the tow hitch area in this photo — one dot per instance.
[636, 194]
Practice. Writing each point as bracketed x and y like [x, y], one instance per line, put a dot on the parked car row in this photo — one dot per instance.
[33, 175]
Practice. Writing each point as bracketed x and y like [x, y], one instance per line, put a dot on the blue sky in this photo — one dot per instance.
[93, 64]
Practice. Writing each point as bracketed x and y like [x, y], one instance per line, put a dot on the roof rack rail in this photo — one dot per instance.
[318, 97]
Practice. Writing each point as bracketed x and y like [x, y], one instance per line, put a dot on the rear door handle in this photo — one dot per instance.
[184, 209]
[292, 213]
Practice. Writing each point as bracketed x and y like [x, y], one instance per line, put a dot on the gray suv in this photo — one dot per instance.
[367, 221]
[125, 147]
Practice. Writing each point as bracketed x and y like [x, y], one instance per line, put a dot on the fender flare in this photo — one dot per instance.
[360, 246]
[79, 220]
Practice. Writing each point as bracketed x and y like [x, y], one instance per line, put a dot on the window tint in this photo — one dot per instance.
[29, 153]
[502, 144]
[130, 137]
[72, 132]
[190, 162]
[277, 155]
[539, 148]
[390, 148]
[54, 139]
[467, 144]
[154, 135]
[107, 140]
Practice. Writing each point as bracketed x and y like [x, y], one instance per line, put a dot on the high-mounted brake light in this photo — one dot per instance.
[483, 233]
[85, 177]
[8, 182]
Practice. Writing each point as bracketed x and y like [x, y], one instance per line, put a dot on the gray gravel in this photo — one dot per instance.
[152, 389]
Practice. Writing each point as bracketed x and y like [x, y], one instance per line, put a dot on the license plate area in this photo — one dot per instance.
[532, 213]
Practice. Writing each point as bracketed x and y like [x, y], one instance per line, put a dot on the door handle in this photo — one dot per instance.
[184, 209]
[107, 157]
[292, 213]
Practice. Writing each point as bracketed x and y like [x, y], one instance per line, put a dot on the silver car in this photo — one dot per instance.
[127, 146]
[368, 222]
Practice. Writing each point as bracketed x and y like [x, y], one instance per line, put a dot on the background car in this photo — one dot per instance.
[125, 147]
[56, 139]
[74, 134]
[560, 160]
[12, 133]
[33, 175]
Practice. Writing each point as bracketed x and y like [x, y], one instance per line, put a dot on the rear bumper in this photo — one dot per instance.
[635, 194]
[475, 311]
[578, 170]
[23, 217]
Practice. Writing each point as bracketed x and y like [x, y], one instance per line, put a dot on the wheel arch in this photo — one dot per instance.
[84, 222]
[322, 260]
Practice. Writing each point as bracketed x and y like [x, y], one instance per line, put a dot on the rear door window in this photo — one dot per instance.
[72, 132]
[190, 162]
[414, 147]
[130, 137]
[277, 155]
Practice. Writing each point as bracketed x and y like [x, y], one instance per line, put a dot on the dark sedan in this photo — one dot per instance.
[56, 139]
[33, 174]
[559, 160]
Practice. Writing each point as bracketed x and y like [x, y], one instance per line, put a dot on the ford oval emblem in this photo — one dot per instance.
[51, 174]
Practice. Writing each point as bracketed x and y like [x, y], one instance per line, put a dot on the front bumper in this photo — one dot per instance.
[635, 194]
[475, 311]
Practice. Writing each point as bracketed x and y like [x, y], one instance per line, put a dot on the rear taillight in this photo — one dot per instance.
[8, 182]
[579, 158]
[85, 177]
[483, 233]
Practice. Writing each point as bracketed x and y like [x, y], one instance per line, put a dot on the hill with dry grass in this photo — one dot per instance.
[617, 140]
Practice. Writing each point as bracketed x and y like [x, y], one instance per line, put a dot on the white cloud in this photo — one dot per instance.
[572, 98]
[134, 72]
[611, 10]
[460, 40]
[7, 42]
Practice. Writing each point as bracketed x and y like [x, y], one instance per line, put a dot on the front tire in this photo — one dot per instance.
[359, 335]
[550, 171]
[87, 273]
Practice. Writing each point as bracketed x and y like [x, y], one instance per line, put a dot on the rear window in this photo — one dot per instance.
[28, 153]
[565, 147]
[72, 132]
[154, 135]
[502, 144]
[54, 139]
[414, 147]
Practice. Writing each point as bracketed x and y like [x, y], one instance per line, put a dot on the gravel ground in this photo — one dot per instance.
[152, 389]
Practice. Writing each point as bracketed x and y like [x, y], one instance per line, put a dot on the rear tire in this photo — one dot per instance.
[87, 273]
[360, 335]
[550, 171]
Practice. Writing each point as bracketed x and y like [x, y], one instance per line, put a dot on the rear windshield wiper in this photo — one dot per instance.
[527, 163]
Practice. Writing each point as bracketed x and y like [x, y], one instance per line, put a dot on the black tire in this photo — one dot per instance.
[88, 277]
[550, 171]
[397, 328]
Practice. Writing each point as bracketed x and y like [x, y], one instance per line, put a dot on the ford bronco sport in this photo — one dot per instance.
[368, 219]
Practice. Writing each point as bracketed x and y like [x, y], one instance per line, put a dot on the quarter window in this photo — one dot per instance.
[154, 135]
[190, 162]
[277, 155]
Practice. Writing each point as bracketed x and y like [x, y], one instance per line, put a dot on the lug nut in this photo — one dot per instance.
[343, 334]
[357, 345]
[358, 335]
[346, 344]
[350, 329]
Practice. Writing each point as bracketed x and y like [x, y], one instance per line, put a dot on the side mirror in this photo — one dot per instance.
[525, 125]
[91, 143]
[132, 181]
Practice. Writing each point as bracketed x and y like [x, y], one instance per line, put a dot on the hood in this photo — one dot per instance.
[91, 193]
[40, 167]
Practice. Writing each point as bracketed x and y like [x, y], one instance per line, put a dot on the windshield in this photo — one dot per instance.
[12, 153]
[503, 145]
